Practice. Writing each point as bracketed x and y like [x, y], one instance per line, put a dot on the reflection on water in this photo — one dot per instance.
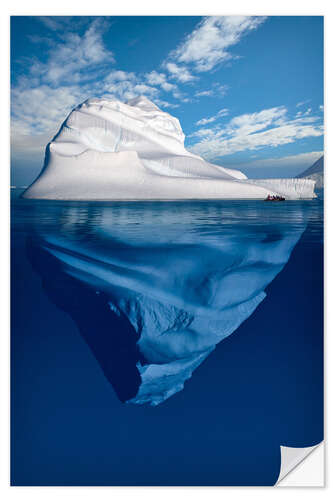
[153, 287]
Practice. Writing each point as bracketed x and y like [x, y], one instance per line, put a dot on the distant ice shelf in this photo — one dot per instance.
[110, 150]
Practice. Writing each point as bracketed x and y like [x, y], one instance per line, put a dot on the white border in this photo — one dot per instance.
[141, 7]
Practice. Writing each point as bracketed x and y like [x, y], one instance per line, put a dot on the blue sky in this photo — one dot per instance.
[248, 90]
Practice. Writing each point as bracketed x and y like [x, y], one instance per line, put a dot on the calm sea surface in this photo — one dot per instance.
[261, 387]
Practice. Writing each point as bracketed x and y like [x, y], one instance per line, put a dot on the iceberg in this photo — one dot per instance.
[110, 150]
[153, 294]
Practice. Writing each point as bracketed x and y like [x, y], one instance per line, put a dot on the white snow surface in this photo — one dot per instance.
[110, 150]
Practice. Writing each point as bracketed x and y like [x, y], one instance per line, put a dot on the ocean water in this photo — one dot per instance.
[73, 365]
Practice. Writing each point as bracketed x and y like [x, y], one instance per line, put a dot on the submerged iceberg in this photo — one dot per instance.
[153, 294]
[110, 150]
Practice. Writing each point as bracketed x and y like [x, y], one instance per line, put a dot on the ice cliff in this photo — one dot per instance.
[110, 150]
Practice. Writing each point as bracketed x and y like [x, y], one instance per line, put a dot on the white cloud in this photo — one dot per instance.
[75, 58]
[119, 76]
[302, 103]
[155, 78]
[180, 73]
[220, 90]
[246, 124]
[62, 24]
[142, 88]
[126, 89]
[39, 109]
[204, 121]
[51, 22]
[165, 104]
[266, 128]
[204, 133]
[42, 40]
[208, 45]
[204, 93]
[301, 114]
[217, 90]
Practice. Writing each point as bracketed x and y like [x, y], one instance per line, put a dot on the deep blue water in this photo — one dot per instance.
[261, 387]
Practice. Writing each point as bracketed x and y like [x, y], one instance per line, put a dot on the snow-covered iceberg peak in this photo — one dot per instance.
[143, 103]
[110, 150]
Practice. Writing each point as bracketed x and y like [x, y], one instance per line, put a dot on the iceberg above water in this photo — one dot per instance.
[152, 295]
[110, 150]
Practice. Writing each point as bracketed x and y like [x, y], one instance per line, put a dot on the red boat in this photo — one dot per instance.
[274, 198]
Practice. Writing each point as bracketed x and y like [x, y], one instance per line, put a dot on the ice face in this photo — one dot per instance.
[110, 150]
[152, 294]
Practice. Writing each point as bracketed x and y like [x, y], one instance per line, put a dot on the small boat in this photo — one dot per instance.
[274, 198]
